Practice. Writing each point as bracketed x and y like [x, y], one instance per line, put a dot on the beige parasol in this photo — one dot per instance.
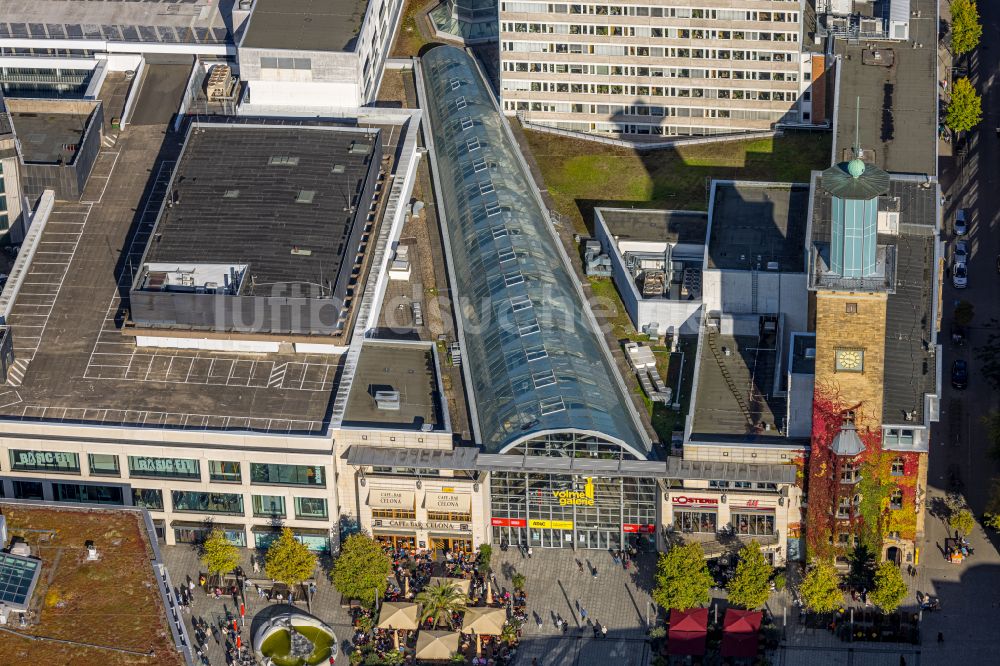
[463, 584]
[398, 615]
[483, 621]
[436, 645]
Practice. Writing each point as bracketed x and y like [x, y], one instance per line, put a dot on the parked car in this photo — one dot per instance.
[960, 374]
[960, 276]
[961, 222]
[961, 252]
[958, 335]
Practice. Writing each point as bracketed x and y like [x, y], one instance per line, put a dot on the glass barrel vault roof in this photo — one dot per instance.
[535, 360]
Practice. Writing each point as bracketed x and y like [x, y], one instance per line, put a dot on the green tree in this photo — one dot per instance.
[966, 30]
[992, 422]
[288, 561]
[964, 313]
[362, 569]
[440, 601]
[992, 521]
[988, 356]
[963, 521]
[890, 589]
[965, 110]
[751, 584]
[820, 588]
[219, 555]
[682, 578]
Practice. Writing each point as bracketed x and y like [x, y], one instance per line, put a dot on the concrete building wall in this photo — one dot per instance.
[663, 67]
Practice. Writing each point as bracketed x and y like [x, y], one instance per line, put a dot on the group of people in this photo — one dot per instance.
[226, 633]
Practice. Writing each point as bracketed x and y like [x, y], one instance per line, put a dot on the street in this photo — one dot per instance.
[959, 444]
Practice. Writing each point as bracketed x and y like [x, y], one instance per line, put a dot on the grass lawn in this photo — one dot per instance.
[410, 40]
[112, 602]
[582, 174]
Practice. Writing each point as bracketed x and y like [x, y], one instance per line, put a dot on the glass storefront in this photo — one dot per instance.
[196, 533]
[563, 511]
[28, 490]
[317, 541]
[396, 541]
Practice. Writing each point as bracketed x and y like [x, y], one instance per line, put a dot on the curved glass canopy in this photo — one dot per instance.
[535, 360]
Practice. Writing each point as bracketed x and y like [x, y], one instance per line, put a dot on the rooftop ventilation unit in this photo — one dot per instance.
[387, 400]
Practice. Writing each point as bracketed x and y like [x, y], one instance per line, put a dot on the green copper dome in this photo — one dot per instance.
[856, 168]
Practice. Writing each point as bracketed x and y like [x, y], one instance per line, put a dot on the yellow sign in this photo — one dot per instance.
[554, 524]
[573, 497]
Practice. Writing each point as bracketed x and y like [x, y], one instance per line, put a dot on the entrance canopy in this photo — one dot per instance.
[739, 633]
[688, 631]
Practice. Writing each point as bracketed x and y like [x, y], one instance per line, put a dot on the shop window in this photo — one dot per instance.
[87, 494]
[44, 461]
[224, 472]
[268, 506]
[399, 514]
[103, 464]
[753, 523]
[450, 517]
[164, 468]
[696, 521]
[288, 475]
[197, 502]
[148, 498]
[310, 508]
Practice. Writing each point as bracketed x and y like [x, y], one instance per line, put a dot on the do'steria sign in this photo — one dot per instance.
[694, 501]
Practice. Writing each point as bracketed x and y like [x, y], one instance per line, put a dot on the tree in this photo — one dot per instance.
[988, 356]
[966, 31]
[219, 555]
[964, 312]
[965, 110]
[820, 589]
[992, 422]
[751, 584]
[288, 561]
[962, 521]
[890, 589]
[362, 569]
[440, 601]
[682, 578]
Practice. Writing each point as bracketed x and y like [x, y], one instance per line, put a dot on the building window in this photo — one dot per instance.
[28, 490]
[86, 494]
[399, 514]
[844, 538]
[893, 437]
[287, 475]
[896, 500]
[103, 464]
[450, 517]
[850, 472]
[718, 484]
[268, 506]
[310, 508]
[851, 308]
[164, 468]
[696, 521]
[224, 472]
[754, 523]
[44, 461]
[148, 498]
[195, 502]
[898, 467]
[844, 507]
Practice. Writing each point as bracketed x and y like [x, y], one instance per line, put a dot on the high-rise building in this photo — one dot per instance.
[659, 67]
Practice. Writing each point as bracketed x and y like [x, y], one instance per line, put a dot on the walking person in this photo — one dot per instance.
[940, 638]
[583, 614]
[530, 552]
[604, 631]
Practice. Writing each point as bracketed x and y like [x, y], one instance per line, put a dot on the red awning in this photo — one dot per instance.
[688, 631]
[739, 633]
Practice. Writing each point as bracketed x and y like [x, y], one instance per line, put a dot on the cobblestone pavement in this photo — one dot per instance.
[182, 562]
[616, 598]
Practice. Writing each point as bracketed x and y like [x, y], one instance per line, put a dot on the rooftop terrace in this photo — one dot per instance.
[305, 25]
[755, 224]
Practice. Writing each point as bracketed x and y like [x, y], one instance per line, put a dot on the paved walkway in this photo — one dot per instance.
[182, 562]
[616, 598]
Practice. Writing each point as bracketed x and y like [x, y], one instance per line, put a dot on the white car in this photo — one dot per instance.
[961, 252]
[961, 222]
[960, 276]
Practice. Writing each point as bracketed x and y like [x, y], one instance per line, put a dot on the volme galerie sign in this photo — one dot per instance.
[575, 498]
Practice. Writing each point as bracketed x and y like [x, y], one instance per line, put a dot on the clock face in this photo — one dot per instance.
[851, 360]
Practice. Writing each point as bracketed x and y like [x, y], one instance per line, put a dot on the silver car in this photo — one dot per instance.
[960, 276]
[961, 252]
[961, 222]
